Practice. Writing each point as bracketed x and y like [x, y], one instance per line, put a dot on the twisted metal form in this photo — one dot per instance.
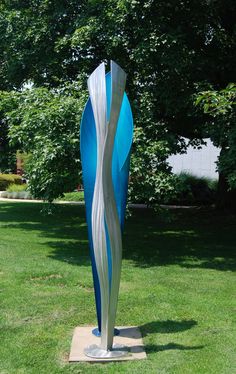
[105, 211]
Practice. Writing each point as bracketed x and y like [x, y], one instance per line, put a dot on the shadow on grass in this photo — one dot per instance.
[152, 348]
[72, 253]
[165, 327]
[195, 238]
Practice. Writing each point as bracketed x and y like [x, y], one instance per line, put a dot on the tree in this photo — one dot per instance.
[45, 124]
[221, 110]
[7, 154]
[170, 50]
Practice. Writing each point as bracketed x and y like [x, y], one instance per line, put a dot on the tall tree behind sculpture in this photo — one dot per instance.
[106, 137]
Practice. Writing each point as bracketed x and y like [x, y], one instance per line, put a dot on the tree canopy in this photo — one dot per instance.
[221, 110]
[170, 49]
[45, 124]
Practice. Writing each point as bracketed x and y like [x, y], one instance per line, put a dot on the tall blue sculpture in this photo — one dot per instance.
[106, 138]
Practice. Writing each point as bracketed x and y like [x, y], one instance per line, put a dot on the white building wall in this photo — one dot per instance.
[199, 162]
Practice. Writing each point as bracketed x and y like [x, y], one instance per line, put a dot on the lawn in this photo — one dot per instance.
[178, 284]
[73, 196]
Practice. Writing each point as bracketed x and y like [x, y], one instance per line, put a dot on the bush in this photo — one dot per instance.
[7, 179]
[46, 124]
[16, 195]
[193, 190]
[16, 187]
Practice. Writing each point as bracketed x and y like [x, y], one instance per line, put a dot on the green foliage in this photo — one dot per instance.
[221, 110]
[24, 159]
[45, 124]
[16, 187]
[218, 103]
[50, 43]
[7, 179]
[194, 190]
[7, 158]
[7, 153]
[150, 178]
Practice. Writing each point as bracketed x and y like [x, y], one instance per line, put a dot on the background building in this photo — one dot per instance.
[199, 162]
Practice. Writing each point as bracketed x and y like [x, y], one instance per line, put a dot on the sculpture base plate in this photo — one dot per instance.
[130, 337]
[94, 351]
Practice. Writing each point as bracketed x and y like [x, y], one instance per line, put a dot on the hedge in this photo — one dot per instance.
[7, 179]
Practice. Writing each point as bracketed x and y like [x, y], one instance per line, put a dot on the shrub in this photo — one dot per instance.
[191, 189]
[16, 195]
[7, 179]
[16, 187]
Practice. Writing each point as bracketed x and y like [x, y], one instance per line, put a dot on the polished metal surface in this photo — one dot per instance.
[120, 169]
[97, 91]
[118, 80]
[104, 210]
[117, 350]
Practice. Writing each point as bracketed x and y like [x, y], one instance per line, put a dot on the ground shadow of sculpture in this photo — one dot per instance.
[168, 326]
[152, 348]
[164, 327]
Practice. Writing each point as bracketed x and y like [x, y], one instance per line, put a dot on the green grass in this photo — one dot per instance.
[73, 196]
[178, 284]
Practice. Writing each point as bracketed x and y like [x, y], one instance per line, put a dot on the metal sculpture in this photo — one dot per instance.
[106, 138]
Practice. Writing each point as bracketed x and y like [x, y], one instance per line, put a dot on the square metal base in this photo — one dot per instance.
[129, 337]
